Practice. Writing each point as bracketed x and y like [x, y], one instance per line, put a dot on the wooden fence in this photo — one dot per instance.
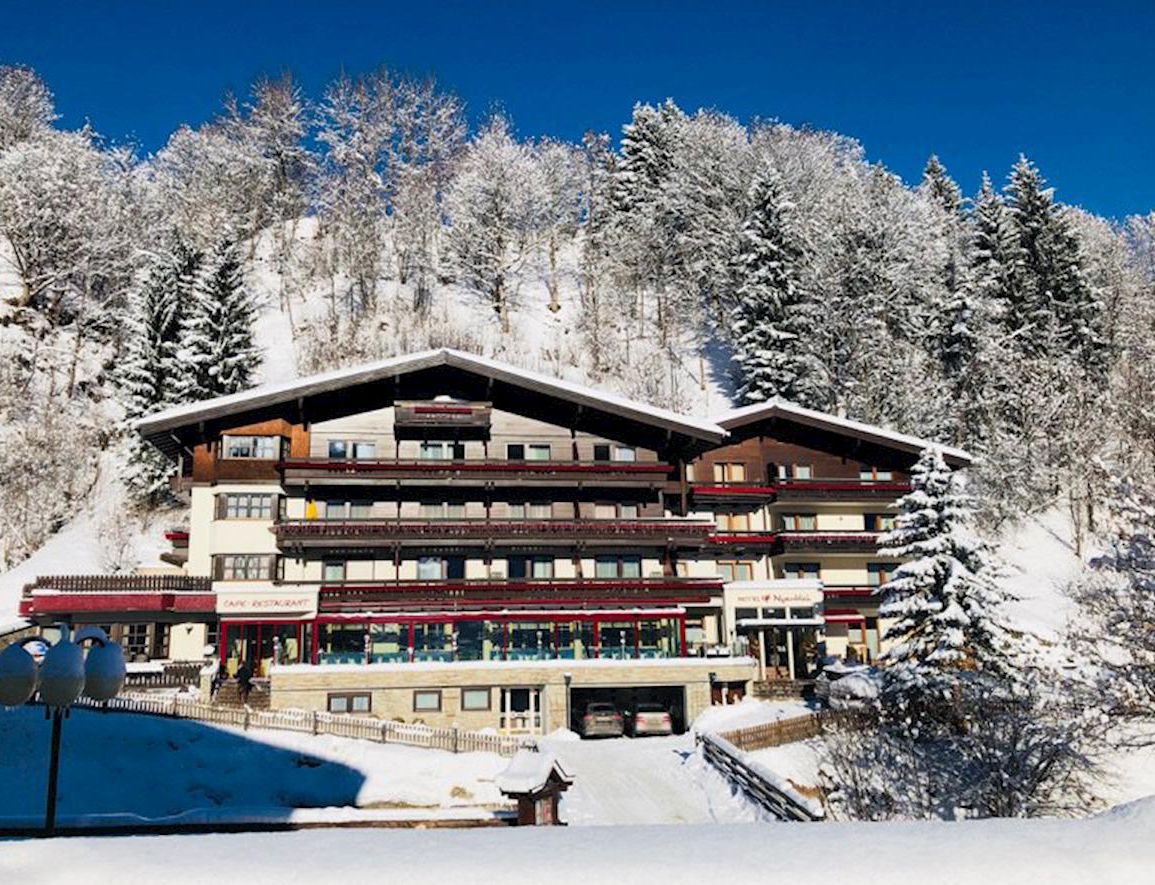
[171, 676]
[451, 739]
[784, 731]
[764, 787]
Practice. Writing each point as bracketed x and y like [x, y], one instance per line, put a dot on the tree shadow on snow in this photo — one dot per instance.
[153, 767]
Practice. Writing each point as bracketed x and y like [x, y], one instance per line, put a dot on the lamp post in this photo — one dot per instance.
[568, 694]
[61, 678]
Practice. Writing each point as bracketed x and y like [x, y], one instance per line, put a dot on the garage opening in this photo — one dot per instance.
[672, 697]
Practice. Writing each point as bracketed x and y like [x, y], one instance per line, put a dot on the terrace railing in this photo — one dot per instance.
[322, 531]
[439, 470]
[382, 731]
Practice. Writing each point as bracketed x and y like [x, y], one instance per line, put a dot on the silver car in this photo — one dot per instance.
[601, 720]
[650, 719]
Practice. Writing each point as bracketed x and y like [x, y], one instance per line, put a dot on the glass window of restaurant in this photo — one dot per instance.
[388, 643]
[433, 641]
[618, 639]
[341, 643]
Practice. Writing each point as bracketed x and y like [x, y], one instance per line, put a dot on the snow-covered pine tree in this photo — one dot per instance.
[943, 602]
[941, 187]
[1057, 309]
[149, 370]
[218, 354]
[1117, 598]
[772, 320]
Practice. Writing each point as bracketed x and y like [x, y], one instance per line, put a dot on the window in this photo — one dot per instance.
[348, 509]
[732, 522]
[541, 567]
[879, 573]
[442, 510]
[601, 451]
[869, 473]
[536, 510]
[333, 570]
[799, 522]
[338, 449]
[736, 571]
[538, 452]
[618, 567]
[475, 699]
[427, 701]
[878, 522]
[244, 506]
[264, 448]
[430, 568]
[795, 471]
[729, 472]
[528, 451]
[136, 639]
[244, 567]
[615, 511]
[441, 451]
[625, 453]
[350, 702]
[801, 570]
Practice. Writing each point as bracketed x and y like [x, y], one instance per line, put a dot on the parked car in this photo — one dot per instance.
[601, 720]
[650, 719]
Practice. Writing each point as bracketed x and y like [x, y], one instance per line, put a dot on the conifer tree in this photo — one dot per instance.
[218, 354]
[773, 320]
[941, 187]
[149, 373]
[944, 599]
[1055, 306]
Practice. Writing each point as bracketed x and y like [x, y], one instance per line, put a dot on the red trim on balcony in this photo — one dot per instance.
[63, 603]
[710, 584]
[492, 466]
[836, 590]
[581, 529]
[443, 410]
[176, 536]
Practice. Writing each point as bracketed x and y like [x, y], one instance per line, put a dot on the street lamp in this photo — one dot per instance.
[61, 677]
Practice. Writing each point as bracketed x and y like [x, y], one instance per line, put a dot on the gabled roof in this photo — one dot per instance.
[158, 426]
[788, 411]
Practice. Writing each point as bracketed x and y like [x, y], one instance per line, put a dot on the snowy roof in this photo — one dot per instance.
[782, 408]
[157, 424]
[529, 771]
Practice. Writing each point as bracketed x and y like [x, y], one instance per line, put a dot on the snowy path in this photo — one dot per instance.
[657, 780]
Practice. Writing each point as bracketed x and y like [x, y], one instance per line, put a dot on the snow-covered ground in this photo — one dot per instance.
[654, 780]
[1115, 849]
[155, 768]
[747, 713]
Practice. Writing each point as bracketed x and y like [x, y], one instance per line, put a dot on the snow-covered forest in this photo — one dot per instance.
[695, 261]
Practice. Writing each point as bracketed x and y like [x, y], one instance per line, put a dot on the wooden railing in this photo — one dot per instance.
[447, 529]
[759, 783]
[122, 584]
[446, 465]
[174, 675]
[784, 731]
[382, 731]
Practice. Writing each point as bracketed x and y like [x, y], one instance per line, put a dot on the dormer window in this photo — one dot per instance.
[258, 448]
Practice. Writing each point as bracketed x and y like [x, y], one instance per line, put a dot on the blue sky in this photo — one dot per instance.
[1071, 84]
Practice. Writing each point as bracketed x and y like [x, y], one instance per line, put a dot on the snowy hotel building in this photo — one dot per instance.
[445, 538]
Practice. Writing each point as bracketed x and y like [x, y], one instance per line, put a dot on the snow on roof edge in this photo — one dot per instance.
[779, 406]
[271, 393]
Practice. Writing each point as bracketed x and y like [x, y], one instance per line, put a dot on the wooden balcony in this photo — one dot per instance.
[798, 491]
[777, 543]
[484, 532]
[427, 414]
[477, 472]
[73, 594]
[520, 592]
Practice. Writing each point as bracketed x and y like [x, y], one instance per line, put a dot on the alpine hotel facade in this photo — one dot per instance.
[447, 539]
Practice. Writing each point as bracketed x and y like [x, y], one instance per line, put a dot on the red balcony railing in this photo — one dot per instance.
[800, 541]
[454, 593]
[322, 532]
[633, 473]
[803, 490]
